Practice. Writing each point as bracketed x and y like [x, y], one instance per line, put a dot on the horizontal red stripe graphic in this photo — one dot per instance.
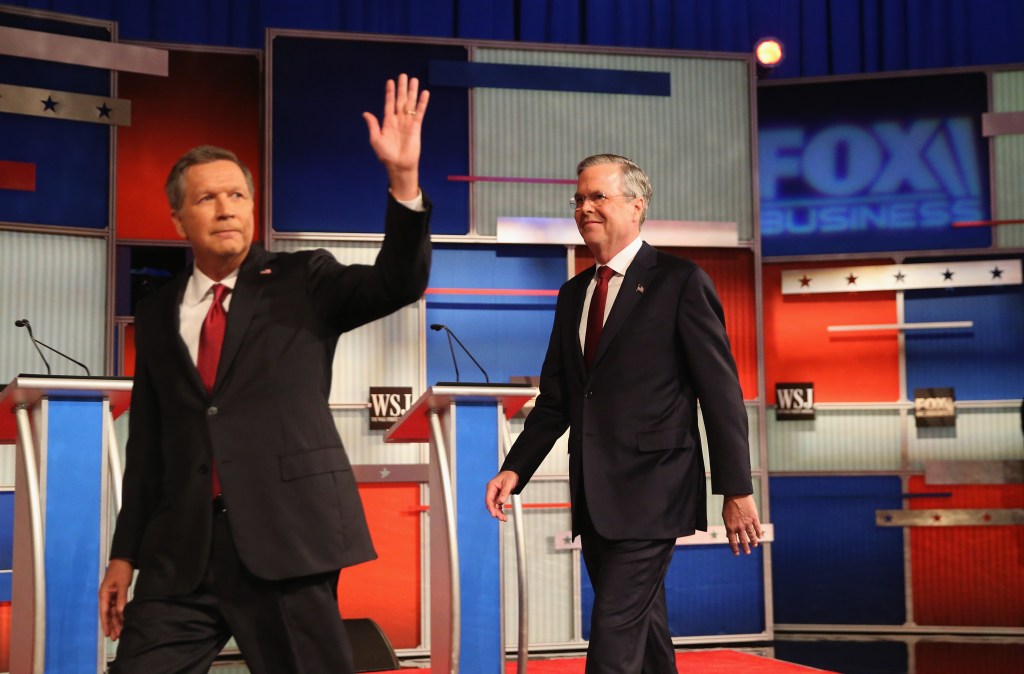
[492, 291]
[986, 223]
[499, 179]
[17, 175]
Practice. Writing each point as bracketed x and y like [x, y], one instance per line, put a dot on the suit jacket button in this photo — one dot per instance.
[588, 394]
[210, 411]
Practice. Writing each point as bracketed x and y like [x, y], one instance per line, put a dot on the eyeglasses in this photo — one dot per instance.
[599, 199]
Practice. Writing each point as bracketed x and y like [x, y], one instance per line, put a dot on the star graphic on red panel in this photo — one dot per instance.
[851, 280]
[805, 281]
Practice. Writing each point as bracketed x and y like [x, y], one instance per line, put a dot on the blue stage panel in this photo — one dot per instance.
[831, 565]
[72, 158]
[6, 543]
[507, 334]
[325, 177]
[73, 501]
[476, 461]
[985, 362]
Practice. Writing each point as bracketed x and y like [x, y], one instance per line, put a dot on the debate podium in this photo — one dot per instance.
[467, 428]
[67, 466]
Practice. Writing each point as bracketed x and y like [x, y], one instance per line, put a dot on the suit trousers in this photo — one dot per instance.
[290, 625]
[629, 631]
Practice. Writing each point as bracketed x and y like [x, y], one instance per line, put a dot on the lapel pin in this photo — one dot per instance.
[265, 272]
[640, 288]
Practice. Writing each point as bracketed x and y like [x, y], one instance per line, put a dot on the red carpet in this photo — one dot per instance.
[692, 662]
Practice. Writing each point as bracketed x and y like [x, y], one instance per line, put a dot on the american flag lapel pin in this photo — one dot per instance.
[640, 288]
[266, 272]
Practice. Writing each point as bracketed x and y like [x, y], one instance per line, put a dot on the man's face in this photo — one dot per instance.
[607, 225]
[216, 215]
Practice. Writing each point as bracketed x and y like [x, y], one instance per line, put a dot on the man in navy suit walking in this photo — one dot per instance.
[637, 341]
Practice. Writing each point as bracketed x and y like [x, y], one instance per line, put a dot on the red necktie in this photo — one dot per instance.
[595, 317]
[211, 340]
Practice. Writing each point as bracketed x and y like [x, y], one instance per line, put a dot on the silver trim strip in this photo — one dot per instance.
[113, 460]
[448, 506]
[82, 51]
[937, 325]
[519, 527]
[35, 512]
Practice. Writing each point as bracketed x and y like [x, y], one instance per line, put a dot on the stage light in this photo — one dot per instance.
[769, 52]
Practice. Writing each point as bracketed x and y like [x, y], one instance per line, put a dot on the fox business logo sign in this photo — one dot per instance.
[387, 405]
[934, 407]
[794, 401]
[885, 176]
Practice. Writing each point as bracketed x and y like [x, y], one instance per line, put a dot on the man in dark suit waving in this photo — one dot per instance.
[239, 503]
[636, 342]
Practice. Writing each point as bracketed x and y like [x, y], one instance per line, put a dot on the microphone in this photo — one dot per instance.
[23, 323]
[441, 326]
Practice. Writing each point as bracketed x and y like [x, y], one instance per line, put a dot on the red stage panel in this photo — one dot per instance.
[956, 658]
[845, 367]
[208, 99]
[387, 589]
[733, 274]
[5, 636]
[128, 350]
[17, 175]
[968, 575]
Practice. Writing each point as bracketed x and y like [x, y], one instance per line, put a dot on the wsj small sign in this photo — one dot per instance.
[387, 404]
[934, 407]
[794, 401]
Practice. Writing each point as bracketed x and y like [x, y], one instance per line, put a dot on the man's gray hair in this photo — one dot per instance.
[633, 179]
[203, 154]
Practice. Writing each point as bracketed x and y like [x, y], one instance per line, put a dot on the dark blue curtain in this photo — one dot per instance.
[822, 37]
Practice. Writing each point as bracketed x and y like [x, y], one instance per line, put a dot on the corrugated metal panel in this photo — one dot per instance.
[1008, 96]
[696, 148]
[979, 434]
[836, 440]
[59, 283]
[550, 571]
[383, 353]
[7, 454]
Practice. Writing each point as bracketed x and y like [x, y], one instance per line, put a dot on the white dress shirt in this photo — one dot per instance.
[619, 264]
[195, 304]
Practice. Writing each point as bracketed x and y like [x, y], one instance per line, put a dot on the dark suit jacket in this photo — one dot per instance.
[287, 484]
[633, 436]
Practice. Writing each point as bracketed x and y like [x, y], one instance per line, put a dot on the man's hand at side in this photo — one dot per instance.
[114, 595]
[741, 523]
[498, 490]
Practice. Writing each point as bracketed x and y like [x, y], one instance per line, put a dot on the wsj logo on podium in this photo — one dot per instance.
[387, 404]
[934, 407]
[794, 402]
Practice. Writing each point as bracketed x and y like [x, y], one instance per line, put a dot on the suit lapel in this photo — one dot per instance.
[632, 290]
[578, 297]
[244, 299]
[172, 328]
